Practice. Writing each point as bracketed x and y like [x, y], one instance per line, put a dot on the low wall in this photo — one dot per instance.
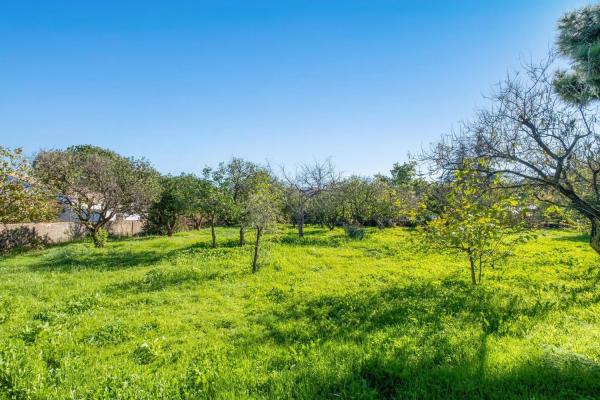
[58, 232]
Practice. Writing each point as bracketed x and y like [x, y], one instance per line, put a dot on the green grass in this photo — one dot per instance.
[325, 317]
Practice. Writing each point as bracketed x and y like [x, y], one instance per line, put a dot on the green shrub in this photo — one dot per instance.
[100, 238]
[355, 232]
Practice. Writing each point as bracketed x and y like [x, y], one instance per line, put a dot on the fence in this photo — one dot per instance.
[58, 232]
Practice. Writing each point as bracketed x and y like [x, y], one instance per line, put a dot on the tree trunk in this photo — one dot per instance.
[301, 222]
[480, 268]
[256, 250]
[472, 263]
[98, 241]
[242, 237]
[212, 232]
[595, 234]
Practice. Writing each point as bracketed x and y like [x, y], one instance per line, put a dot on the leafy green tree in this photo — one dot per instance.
[239, 177]
[477, 220]
[22, 197]
[579, 40]
[98, 184]
[176, 201]
[404, 174]
[213, 200]
[263, 210]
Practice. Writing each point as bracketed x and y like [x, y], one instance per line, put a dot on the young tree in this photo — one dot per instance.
[238, 178]
[213, 201]
[263, 211]
[97, 184]
[308, 181]
[476, 220]
[22, 197]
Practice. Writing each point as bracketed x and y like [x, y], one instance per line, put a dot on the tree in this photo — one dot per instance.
[329, 207]
[358, 195]
[174, 203]
[404, 174]
[23, 198]
[308, 181]
[213, 201]
[238, 178]
[477, 219]
[579, 40]
[98, 184]
[263, 211]
[535, 140]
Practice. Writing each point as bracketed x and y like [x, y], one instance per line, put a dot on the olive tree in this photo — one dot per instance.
[238, 177]
[263, 208]
[213, 201]
[97, 184]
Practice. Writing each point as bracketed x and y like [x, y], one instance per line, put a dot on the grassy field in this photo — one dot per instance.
[325, 317]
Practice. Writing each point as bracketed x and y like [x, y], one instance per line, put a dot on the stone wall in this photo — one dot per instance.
[58, 232]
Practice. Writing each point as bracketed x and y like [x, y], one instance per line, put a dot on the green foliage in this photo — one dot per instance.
[180, 197]
[98, 184]
[355, 232]
[262, 211]
[22, 197]
[404, 174]
[100, 237]
[479, 218]
[579, 40]
[327, 317]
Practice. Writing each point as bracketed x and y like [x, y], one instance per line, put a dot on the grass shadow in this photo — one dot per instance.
[103, 260]
[580, 238]
[313, 241]
[156, 280]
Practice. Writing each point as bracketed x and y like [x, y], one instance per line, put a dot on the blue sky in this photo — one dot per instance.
[189, 84]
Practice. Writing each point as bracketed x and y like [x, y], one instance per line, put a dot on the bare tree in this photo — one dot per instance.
[308, 181]
[531, 136]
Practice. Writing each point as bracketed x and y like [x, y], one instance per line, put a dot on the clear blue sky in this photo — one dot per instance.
[188, 84]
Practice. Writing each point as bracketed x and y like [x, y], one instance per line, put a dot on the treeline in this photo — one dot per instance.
[531, 158]
[96, 185]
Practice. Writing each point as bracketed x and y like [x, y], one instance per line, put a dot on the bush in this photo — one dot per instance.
[21, 238]
[101, 237]
[355, 232]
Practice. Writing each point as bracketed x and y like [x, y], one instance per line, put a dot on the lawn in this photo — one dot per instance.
[325, 317]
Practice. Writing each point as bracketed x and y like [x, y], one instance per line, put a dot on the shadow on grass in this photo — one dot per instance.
[580, 238]
[313, 240]
[443, 330]
[227, 243]
[548, 375]
[156, 280]
[67, 261]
